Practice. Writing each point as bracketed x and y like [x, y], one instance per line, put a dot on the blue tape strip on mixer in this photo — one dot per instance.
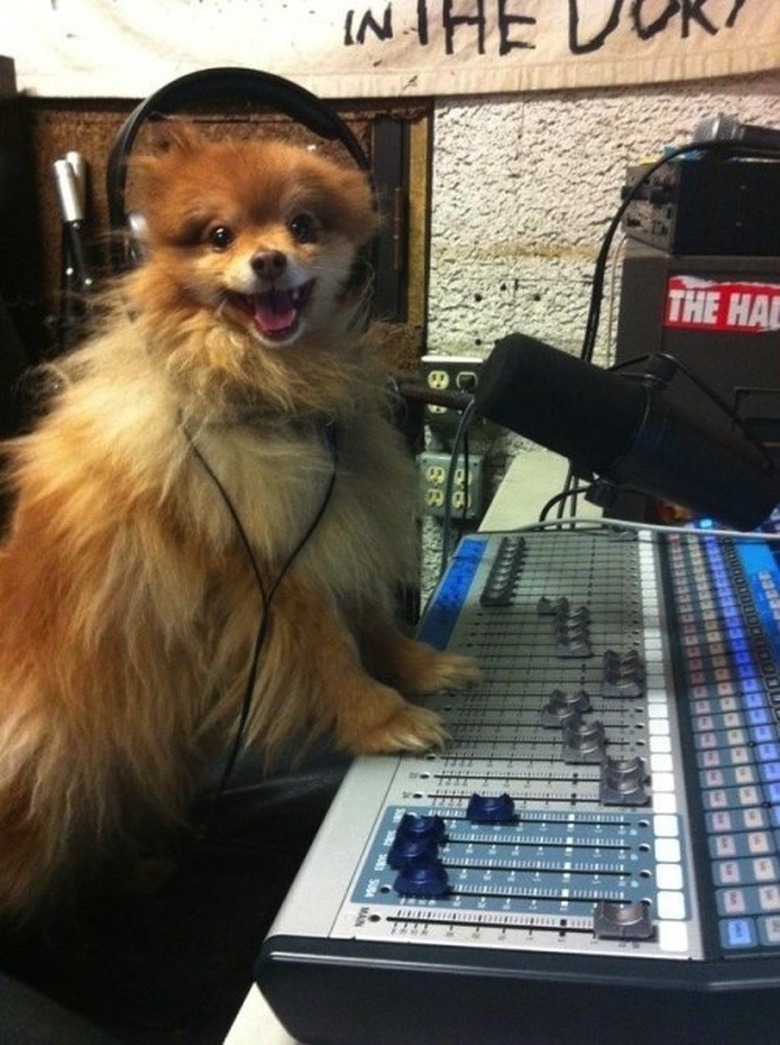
[447, 602]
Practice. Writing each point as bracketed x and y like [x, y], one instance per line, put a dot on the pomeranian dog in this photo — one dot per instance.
[214, 499]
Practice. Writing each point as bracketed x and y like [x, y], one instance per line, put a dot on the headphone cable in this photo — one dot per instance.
[266, 597]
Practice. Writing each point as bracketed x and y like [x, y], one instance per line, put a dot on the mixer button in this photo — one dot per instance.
[732, 901]
[769, 897]
[723, 847]
[754, 819]
[759, 842]
[770, 931]
[719, 821]
[765, 869]
[727, 872]
[491, 809]
[738, 932]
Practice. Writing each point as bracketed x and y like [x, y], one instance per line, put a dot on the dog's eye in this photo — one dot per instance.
[303, 228]
[220, 237]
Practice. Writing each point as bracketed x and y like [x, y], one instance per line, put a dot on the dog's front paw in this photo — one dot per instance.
[389, 723]
[428, 670]
[449, 671]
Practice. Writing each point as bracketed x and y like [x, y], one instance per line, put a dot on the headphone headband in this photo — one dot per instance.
[219, 85]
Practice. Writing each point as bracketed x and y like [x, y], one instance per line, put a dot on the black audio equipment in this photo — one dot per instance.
[719, 317]
[707, 206]
[596, 854]
[626, 430]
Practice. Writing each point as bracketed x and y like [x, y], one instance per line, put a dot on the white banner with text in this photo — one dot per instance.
[403, 48]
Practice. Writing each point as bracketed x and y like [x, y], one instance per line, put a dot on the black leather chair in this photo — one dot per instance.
[173, 964]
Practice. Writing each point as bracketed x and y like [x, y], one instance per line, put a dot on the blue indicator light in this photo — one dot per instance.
[738, 932]
[763, 734]
[770, 771]
[767, 752]
[759, 717]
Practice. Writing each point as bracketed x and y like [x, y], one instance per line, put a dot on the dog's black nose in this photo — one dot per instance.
[269, 263]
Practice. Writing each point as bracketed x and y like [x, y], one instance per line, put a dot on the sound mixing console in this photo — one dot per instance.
[596, 855]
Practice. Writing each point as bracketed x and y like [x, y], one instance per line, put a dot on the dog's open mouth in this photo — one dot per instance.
[275, 313]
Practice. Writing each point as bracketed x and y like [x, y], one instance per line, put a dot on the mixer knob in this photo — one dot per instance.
[423, 877]
[406, 850]
[580, 698]
[504, 572]
[571, 635]
[623, 781]
[552, 607]
[583, 742]
[416, 837]
[563, 707]
[491, 809]
[623, 921]
[624, 674]
[567, 631]
[413, 825]
[574, 646]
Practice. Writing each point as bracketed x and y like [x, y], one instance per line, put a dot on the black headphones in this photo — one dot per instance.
[206, 86]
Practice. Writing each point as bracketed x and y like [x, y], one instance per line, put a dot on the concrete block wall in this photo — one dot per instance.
[523, 191]
[524, 188]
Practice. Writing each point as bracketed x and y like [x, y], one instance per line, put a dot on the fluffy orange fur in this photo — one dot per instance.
[129, 604]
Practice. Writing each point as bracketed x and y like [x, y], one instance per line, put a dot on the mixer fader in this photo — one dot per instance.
[597, 849]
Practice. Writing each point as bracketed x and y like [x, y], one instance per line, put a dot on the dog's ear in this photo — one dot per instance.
[174, 140]
[177, 136]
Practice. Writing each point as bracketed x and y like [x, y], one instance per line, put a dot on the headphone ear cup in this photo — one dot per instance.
[360, 287]
[136, 237]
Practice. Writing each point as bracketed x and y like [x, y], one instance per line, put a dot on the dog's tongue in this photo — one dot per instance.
[274, 311]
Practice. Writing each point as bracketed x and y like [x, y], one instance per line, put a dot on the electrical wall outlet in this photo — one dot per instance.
[467, 488]
[449, 374]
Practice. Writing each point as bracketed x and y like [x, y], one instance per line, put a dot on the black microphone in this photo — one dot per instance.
[723, 128]
[618, 428]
